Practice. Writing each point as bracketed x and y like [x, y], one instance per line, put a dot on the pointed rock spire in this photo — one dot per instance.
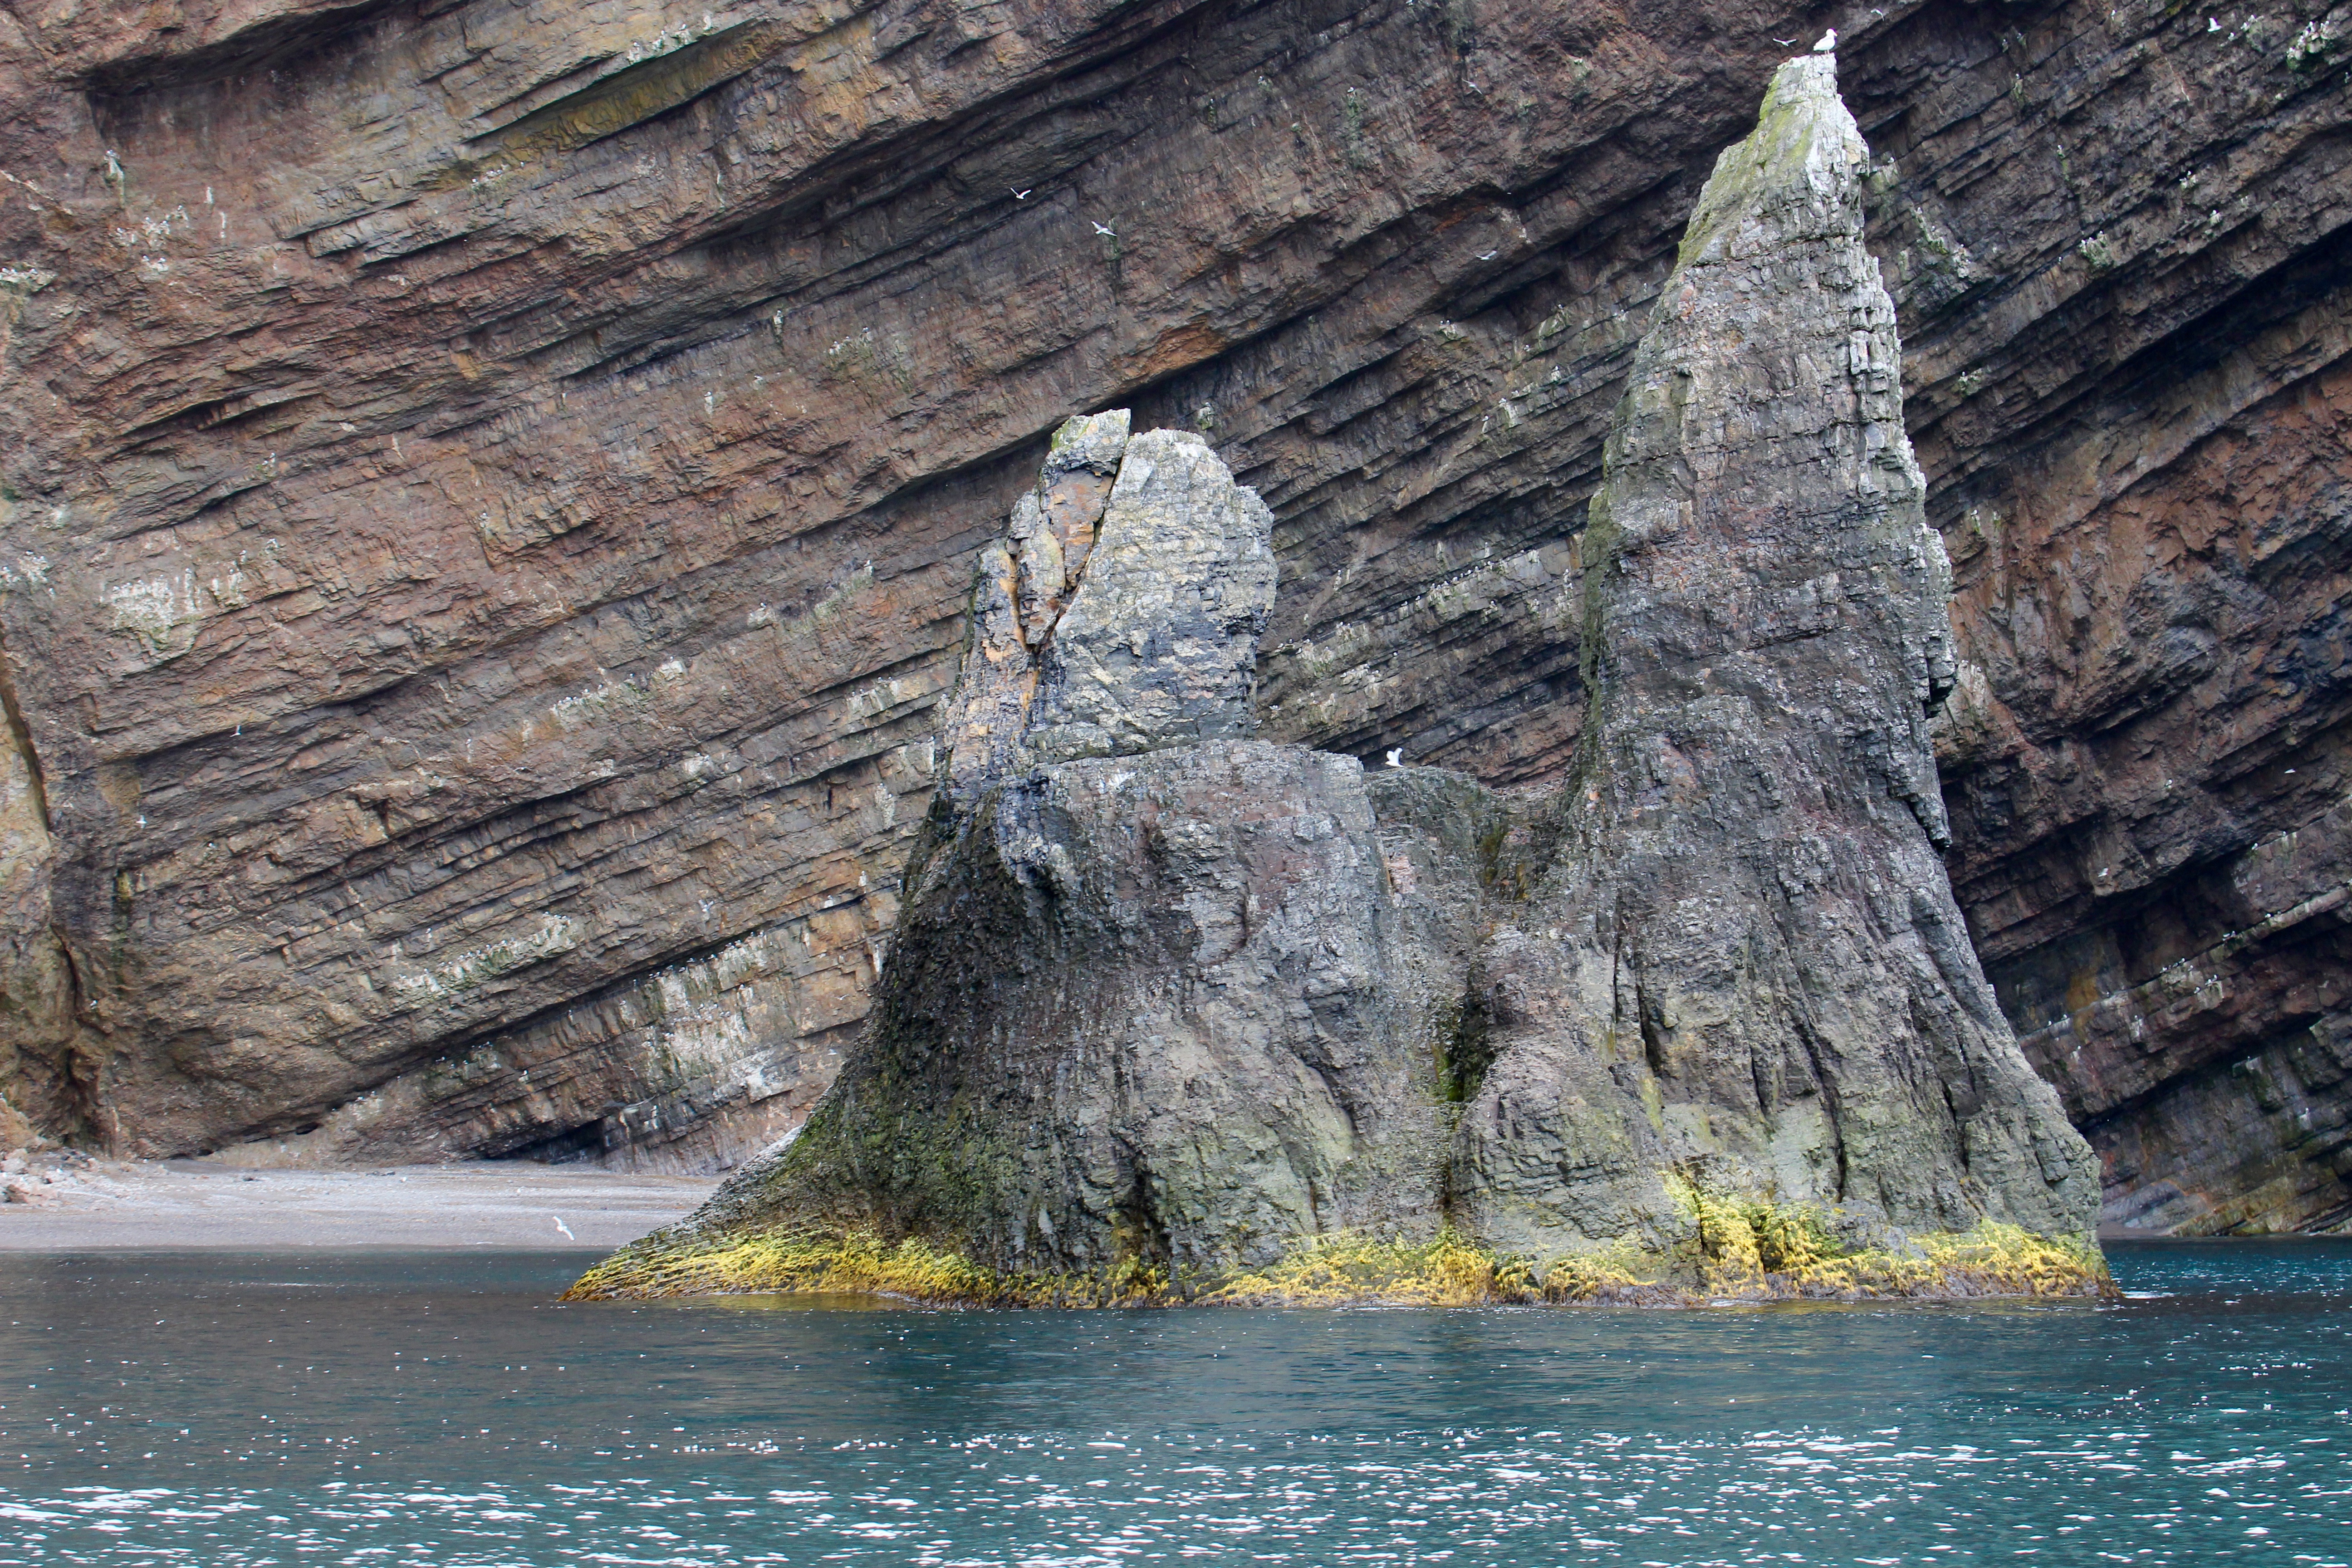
[1745, 976]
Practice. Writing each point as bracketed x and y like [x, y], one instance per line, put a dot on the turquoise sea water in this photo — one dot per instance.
[440, 1408]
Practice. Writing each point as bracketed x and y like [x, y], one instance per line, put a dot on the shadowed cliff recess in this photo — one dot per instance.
[488, 492]
[1171, 1019]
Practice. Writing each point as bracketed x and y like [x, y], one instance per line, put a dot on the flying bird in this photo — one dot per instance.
[1100, 229]
[1019, 196]
[1786, 43]
[1396, 757]
[563, 1228]
[1490, 256]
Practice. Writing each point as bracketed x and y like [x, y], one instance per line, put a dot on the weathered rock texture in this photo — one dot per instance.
[1150, 1009]
[1141, 1010]
[490, 490]
[1745, 965]
[1155, 1023]
[1161, 647]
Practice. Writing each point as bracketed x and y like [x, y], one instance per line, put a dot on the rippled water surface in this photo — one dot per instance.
[440, 1408]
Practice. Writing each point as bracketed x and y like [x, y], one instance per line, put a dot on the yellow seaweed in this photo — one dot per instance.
[1747, 1250]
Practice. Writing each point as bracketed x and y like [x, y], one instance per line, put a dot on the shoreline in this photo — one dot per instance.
[71, 1203]
[76, 1205]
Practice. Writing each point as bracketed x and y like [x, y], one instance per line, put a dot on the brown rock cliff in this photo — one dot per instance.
[490, 490]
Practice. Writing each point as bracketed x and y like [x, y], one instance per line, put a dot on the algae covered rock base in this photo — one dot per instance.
[1173, 1013]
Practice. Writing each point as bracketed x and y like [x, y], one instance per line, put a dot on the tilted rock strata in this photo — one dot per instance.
[489, 499]
[2148, 786]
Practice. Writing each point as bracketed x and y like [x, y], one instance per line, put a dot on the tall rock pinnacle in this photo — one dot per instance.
[1746, 971]
[1177, 1013]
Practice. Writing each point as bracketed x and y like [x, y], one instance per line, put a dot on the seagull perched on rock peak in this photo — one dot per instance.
[1828, 45]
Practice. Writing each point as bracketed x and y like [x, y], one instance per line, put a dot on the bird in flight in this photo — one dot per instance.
[1100, 229]
[563, 1228]
[1019, 196]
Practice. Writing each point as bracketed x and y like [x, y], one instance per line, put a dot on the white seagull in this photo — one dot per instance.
[1100, 229]
[1019, 196]
[563, 1228]
[1396, 757]
[1828, 44]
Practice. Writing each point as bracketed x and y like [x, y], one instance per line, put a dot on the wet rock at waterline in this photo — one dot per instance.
[1212, 1020]
[1151, 1012]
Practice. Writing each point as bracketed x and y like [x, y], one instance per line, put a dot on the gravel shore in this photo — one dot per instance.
[72, 1203]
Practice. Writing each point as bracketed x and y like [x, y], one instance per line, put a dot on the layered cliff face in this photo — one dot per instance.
[490, 491]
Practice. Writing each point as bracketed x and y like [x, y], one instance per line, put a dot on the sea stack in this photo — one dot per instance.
[1174, 1014]
[1743, 983]
[1146, 1022]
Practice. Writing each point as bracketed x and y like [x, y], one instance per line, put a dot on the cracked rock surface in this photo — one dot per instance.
[1149, 1001]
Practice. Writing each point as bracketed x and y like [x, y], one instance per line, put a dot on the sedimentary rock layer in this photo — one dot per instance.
[489, 492]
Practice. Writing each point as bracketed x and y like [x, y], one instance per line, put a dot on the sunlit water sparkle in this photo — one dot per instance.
[442, 1409]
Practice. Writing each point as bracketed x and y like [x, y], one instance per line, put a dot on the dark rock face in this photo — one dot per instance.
[1140, 1010]
[1150, 1009]
[1155, 1022]
[1746, 965]
[490, 493]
